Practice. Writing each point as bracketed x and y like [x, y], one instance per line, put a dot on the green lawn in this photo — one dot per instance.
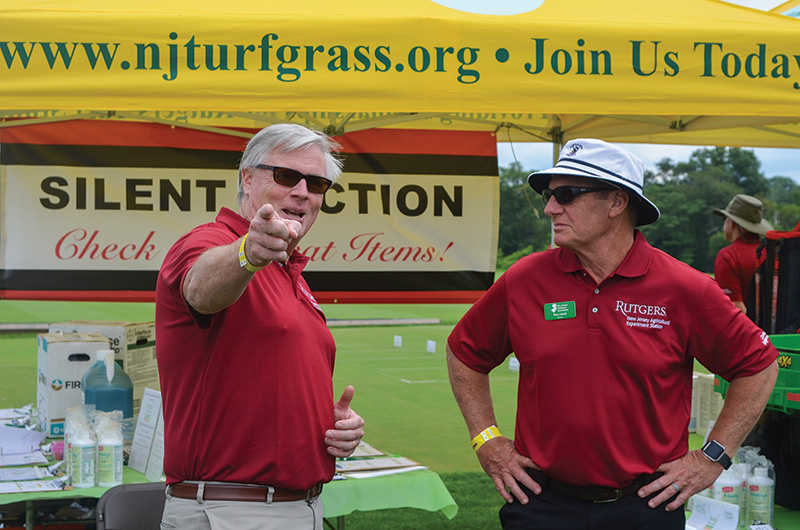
[402, 392]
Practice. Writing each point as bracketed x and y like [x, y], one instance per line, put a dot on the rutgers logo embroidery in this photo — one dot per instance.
[643, 315]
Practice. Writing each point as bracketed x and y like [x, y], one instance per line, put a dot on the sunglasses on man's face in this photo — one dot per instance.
[289, 178]
[566, 194]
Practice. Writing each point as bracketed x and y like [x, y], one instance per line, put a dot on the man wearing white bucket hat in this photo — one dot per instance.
[606, 329]
[736, 264]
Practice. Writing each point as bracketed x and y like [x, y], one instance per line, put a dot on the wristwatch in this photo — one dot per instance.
[716, 453]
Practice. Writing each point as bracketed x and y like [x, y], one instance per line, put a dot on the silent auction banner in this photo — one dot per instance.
[90, 209]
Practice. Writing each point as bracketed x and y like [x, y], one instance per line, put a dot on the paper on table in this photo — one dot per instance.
[146, 423]
[382, 472]
[29, 459]
[24, 473]
[364, 449]
[15, 441]
[710, 513]
[32, 485]
[371, 464]
[8, 414]
[155, 464]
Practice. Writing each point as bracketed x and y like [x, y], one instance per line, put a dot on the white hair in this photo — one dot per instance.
[288, 138]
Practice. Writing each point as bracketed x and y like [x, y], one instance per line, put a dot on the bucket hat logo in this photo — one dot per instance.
[574, 149]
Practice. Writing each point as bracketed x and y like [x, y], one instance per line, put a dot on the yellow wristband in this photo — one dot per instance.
[243, 259]
[484, 436]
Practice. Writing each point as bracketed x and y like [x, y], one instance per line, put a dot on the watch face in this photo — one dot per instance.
[713, 450]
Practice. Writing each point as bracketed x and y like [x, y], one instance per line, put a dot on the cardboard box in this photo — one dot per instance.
[63, 358]
[134, 344]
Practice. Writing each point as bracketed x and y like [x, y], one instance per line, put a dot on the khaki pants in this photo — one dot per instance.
[188, 514]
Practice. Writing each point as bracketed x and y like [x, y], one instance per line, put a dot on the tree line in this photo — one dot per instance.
[686, 193]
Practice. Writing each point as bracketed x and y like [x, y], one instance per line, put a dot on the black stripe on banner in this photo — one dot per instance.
[399, 281]
[77, 280]
[171, 157]
[116, 156]
[98, 280]
[421, 164]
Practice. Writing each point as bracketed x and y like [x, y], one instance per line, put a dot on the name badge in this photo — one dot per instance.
[559, 310]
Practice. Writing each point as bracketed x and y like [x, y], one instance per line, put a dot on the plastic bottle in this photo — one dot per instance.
[83, 452]
[728, 488]
[760, 496]
[740, 471]
[109, 455]
[107, 387]
[76, 420]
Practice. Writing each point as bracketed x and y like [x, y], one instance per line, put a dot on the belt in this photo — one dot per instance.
[596, 494]
[215, 491]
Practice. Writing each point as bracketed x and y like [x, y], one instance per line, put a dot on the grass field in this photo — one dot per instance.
[402, 392]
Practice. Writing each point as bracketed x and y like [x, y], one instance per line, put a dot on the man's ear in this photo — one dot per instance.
[247, 179]
[619, 204]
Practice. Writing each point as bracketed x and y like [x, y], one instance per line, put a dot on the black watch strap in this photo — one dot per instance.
[725, 460]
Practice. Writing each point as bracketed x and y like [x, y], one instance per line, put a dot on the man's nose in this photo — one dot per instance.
[552, 207]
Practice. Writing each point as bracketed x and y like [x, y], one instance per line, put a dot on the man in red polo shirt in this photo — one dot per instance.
[245, 356]
[606, 329]
[736, 264]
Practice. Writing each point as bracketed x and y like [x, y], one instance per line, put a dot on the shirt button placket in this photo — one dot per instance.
[594, 311]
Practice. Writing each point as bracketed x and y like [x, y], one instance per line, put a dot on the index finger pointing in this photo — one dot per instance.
[266, 212]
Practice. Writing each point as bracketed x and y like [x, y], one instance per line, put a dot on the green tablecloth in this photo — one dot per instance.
[421, 489]
[414, 489]
[129, 476]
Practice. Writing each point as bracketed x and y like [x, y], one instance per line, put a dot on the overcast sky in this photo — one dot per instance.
[774, 162]
[534, 156]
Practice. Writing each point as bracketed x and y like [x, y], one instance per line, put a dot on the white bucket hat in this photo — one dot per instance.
[596, 159]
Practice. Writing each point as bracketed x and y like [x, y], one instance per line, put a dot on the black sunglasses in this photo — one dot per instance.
[566, 194]
[289, 178]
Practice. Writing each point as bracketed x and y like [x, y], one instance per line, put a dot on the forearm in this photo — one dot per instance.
[498, 457]
[744, 402]
[216, 280]
[693, 472]
[473, 395]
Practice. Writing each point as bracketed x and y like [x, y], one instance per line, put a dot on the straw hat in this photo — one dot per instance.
[747, 212]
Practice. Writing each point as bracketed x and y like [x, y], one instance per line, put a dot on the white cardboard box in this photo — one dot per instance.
[134, 344]
[63, 358]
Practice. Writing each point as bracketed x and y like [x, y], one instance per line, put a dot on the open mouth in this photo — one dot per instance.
[294, 214]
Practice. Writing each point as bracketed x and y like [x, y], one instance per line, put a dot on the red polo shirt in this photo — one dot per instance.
[606, 370]
[735, 266]
[247, 392]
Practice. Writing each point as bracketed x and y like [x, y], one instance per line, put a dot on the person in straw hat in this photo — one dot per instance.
[736, 264]
[606, 329]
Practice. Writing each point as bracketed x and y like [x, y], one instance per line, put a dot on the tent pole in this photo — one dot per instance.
[558, 139]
